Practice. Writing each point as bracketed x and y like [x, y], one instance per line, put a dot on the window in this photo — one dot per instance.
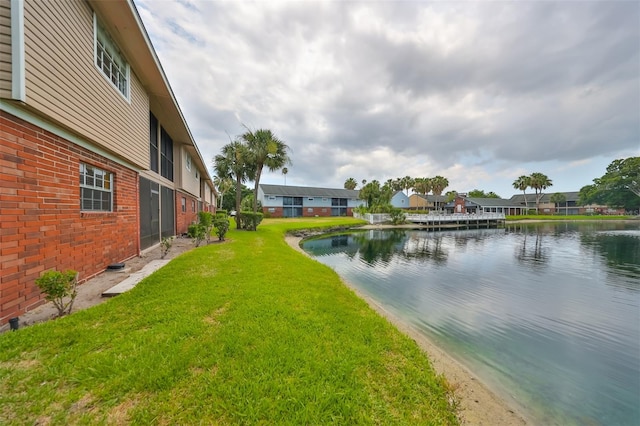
[153, 142]
[292, 206]
[184, 205]
[188, 162]
[110, 60]
[166, 155]
[96, 189]
[338, 207]
[193, 206]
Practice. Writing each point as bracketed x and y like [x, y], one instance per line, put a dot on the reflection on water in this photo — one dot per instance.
[548, 314]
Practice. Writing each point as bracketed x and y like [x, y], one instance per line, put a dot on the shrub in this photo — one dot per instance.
[397, 216]
[221, 212]
[58, 286]
[221, 224]
[197, 232]
[165, 246]
[206, 221]
[249, 220]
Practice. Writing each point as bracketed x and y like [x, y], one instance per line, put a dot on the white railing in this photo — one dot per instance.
[432, 218]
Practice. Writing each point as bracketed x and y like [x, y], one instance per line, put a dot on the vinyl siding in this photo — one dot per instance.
[5, 49]
[63, 83]
[188, 180]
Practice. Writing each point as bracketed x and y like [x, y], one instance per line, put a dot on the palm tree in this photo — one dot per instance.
[234, 162]
[265, 150]
[284, 172]
[438, 184]
[223, 185]
[522, 183]
[422, 186]
[350, 184]
[539, 182]
[557, 199]
[406, 183]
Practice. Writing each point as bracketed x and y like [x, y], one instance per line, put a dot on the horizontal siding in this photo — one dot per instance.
[63, 83]
[5, 48]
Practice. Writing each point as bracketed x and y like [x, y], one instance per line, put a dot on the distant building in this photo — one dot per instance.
[472, 205]
[304, 201]
[569, 207]
[426, 202]
[400, 200]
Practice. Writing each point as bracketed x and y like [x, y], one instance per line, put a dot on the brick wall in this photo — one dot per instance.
[185, 218]
[41, 225]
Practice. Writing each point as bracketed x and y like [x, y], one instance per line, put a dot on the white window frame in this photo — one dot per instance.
[107, 47]
[188, 162]
[101, 181]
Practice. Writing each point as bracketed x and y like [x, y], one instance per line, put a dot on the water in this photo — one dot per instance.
[546, 314]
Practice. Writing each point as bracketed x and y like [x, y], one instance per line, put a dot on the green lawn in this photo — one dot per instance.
[245, 332]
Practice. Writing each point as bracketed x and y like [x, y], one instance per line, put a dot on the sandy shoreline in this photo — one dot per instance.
[478, 405]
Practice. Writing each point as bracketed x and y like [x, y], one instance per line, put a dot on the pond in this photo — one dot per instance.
[548, 314]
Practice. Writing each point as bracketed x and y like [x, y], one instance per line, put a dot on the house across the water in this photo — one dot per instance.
[304, 201]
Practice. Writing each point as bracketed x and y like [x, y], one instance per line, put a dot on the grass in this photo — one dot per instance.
[568, 217]
[245, 332]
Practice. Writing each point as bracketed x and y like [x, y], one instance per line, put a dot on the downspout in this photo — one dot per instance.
[18, 91]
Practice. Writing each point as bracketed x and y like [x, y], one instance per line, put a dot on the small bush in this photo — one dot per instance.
[249, 220]
[165, 246]
[58, 286]
[198, 232]
[206, 221]
[397, 216]
[221, 225]
[222, 212]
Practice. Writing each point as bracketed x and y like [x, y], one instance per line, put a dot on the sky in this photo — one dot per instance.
[478, 92]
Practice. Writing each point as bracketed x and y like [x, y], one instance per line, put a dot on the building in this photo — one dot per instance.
[303, 201]
[97, 162]
[427, 202]
[570, 205]
[400, 200]
[472, 205]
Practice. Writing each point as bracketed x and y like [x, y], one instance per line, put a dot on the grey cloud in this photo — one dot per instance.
[508, 82]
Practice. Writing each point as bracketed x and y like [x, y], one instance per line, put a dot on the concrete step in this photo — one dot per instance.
[132, 280]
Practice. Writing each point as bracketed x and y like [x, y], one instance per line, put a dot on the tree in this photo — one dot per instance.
[451, 195]
[438, 184]
[557, 199]
[478, 193]
[350, 184]
[223, 185]
[539, 182]
[618, 187]
[234, 162]
[375, 195]
[422, 186]
[284, 173]
[522, 184]
[406, 183]
[265, 149]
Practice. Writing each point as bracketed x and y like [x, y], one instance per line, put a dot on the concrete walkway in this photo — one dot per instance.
[135, 278]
